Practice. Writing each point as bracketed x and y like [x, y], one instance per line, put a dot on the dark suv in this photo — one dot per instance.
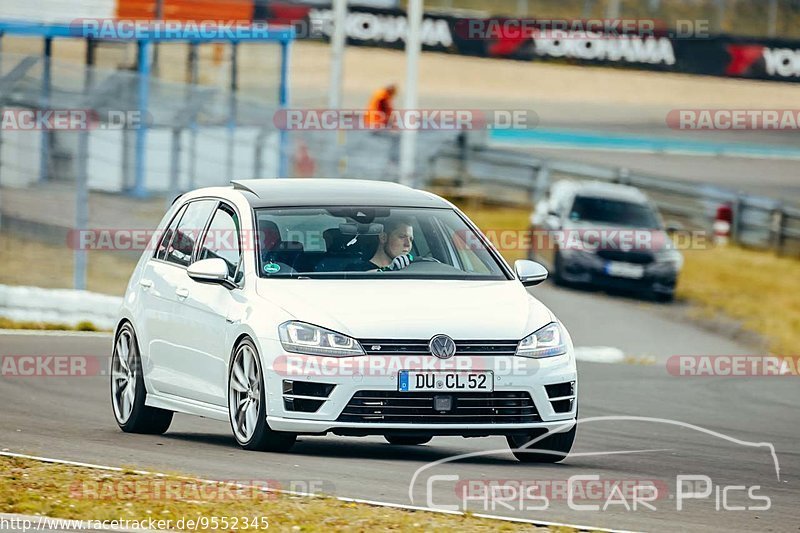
[602, 234]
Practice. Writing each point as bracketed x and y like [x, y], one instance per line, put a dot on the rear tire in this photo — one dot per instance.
[247, 406]
[406, 441]
[558, 443]
[128, 392]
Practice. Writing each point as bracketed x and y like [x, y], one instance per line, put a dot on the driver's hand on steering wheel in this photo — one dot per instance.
[400, 262]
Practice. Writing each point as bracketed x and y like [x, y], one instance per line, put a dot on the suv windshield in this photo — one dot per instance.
[348, 242]
[616, 212]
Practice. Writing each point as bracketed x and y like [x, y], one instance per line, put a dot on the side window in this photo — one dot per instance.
[166, 238]
[189, 228]
[222, 240]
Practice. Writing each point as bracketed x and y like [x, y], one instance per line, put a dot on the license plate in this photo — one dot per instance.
[624, 270]
[410, 380]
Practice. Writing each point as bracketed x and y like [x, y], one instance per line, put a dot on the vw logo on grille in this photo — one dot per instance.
[442, 346]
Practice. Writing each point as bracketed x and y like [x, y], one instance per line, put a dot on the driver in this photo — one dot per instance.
[394, 247]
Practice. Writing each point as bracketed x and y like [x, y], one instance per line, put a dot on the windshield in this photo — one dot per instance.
[367, 242]
[614, 212]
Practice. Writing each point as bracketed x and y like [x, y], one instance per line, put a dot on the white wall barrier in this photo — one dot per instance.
[58, 306]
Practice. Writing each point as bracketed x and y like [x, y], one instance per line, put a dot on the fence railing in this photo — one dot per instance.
[509, 176]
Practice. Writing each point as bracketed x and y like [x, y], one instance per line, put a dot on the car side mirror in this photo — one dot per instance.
[213, 270]
[530, 273]
[553, 220]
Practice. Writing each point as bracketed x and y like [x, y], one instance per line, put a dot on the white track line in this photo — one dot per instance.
[541, 523]
[599, 354]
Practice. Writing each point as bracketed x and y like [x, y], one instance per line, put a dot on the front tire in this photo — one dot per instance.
[559, 444]
[128, 393]
[664, 297]
[558, 278]
[247, 406]
[406, 441]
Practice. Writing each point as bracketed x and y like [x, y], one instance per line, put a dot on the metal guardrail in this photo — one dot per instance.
[514, 177]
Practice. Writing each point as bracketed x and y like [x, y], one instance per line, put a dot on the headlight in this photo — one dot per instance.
[299, 337]
[670, 256]
[547, 342]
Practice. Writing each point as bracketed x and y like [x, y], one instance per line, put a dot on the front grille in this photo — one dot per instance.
[418, 408]
[417, 347]
[636, 257]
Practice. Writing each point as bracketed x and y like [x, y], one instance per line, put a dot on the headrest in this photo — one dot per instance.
[269, 234]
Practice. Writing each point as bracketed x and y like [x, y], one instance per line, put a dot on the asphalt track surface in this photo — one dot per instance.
[70, 418]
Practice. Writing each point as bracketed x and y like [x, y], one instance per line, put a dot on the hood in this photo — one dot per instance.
[410, 309]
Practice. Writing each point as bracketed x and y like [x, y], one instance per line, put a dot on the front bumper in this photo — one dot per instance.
[317, 427]
[370, 374]
[588, 268]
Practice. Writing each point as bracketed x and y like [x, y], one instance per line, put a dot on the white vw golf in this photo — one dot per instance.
[314, 306]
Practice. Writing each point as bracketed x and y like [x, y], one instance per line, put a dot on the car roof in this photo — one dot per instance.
[311, 192]
[610, 191]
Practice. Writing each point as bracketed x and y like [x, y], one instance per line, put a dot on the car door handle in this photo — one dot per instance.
[182, 292]
[146, 283]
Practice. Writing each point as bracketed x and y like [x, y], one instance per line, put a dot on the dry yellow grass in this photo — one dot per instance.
[757, 288]
[27, 261]
[32, 487]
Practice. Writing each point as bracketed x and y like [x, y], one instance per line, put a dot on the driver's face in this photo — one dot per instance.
[399, 241]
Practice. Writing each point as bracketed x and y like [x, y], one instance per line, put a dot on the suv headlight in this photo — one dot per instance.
[670, 255]
[299, 337]
[546, 342]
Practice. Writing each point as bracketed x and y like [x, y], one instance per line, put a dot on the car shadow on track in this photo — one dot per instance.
[353, 448]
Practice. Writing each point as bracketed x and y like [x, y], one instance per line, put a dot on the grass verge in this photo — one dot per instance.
[61, 491]
[757, 288]
[7, 323]
[27, 261]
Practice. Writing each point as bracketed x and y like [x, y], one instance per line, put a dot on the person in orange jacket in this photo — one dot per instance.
[380, 107]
